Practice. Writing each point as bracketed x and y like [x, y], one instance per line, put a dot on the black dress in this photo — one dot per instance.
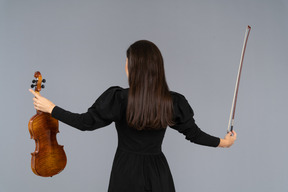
[139, 164]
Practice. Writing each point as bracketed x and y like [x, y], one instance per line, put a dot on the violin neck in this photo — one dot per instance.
[39, 112]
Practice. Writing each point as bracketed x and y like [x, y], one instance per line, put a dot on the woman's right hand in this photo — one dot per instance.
[228, 140]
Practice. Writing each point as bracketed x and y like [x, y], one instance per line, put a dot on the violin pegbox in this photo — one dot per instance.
[37, 82]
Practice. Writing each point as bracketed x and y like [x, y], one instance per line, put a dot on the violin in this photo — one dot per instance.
[49, 158]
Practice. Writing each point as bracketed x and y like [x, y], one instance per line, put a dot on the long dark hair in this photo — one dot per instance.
[150, 104]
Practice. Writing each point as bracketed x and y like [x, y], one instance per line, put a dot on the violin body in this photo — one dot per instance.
[49, 158]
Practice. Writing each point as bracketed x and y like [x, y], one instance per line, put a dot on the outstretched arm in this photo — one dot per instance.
[103, 112]
[82, 121]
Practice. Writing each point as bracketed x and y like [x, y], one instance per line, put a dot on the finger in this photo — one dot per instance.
[33, 92]
[36, 107]
[36, 94]
[229, 133]
[234, 133]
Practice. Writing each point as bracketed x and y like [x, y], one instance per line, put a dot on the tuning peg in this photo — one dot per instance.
[42, 86]
[34, 81]
[44, 81]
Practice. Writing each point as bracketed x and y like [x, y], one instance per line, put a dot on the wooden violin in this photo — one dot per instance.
[49, 158]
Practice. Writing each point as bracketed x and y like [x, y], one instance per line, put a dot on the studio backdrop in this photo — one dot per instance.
[79, 47]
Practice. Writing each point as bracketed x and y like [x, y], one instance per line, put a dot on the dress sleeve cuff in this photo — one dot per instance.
[56, 112]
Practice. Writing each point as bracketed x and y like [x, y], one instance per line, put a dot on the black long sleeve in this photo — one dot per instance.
[83, 122]
[185, 123]
[105, 110]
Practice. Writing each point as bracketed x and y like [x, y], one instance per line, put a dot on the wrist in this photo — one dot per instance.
[223, 143]
[51, 108]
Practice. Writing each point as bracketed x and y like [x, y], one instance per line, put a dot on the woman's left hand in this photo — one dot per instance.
[41, 103]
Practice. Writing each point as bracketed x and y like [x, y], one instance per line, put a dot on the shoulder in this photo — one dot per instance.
[114, 94]
[118, 88]
[109, 105]
[115, 91]
[177, 97]
[180, 104]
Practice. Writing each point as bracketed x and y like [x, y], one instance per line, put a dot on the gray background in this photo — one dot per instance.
[79, 46]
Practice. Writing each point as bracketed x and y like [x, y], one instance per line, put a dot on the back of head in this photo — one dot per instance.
[150, 104]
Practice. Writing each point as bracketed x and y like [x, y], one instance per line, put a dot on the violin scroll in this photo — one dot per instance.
[37, 82]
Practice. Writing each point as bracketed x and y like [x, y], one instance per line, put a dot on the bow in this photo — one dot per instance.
[233, 108]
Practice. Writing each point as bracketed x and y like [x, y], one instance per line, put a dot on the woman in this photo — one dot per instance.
[141, 115]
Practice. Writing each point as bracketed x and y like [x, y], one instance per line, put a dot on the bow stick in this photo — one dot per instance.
[232, 113]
